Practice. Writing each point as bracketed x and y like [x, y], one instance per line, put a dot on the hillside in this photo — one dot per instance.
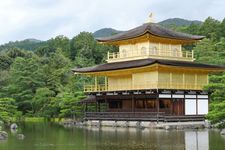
[27, 44]
[105, 32]
[170, 23]
[179, 22]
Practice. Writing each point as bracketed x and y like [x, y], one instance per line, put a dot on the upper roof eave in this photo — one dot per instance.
[153, 29]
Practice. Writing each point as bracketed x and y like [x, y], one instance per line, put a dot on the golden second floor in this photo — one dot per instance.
[148, 49]
[150, 80]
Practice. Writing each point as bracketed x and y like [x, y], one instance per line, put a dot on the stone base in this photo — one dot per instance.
[148, 124]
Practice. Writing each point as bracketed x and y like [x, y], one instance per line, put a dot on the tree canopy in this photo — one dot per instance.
[40, 82]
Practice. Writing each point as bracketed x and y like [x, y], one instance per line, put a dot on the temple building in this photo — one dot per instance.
[150, 78]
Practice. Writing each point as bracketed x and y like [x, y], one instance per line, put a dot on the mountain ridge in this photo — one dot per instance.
[171, 22]
[27, 44]
[32, 43]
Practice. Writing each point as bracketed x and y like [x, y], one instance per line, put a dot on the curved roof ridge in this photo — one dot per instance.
[152, 28]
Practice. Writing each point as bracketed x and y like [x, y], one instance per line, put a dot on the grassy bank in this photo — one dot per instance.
[42, 119]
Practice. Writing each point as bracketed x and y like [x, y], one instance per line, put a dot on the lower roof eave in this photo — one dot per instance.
[145, 63]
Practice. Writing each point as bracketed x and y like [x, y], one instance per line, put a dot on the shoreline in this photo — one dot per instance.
[139, 124]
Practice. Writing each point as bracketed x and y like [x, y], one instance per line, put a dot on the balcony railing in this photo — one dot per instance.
[104, 88]
[158, 54]
[95, 88]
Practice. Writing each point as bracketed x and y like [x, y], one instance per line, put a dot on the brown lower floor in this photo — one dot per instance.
[147, 105]
[167, 106]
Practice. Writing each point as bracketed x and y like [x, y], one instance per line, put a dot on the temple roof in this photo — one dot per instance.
[153, 29]
[142, 63]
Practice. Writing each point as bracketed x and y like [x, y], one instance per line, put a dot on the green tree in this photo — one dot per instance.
[4, 77]
[56, 70]
[60, 42]
[222, 29]
[44, 51]
[204, 50]
[5, 62]
[45, 104]
[69, 104]
[217, 114]
[210, 28]
[82, 48]
[87, 52]
[8, 110]
[208, 51]
[41, 97]
[16, 52]
[25, 77]
[193, 29]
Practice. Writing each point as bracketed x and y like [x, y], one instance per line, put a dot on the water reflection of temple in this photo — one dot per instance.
[197, 140]
[132, 138]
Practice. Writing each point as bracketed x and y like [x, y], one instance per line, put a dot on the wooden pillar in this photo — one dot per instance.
[132, 103]
[178, 107]
[99, 107]
[107, 104]
[172, 101]
[96, 106]
[172, 106]
[157, 102]
[196, 103]
[145, 102]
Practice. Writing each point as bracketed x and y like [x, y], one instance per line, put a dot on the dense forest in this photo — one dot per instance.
[38, 82]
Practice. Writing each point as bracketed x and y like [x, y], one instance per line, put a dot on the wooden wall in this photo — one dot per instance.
[119, 82]
[158, 79]
[182, 80]
[145, 80]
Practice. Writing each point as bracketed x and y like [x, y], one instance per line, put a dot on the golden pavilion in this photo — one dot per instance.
[150, 78]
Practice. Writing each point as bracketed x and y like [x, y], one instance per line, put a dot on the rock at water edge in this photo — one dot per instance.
[222, 132]
[14, 126]
[3, 135]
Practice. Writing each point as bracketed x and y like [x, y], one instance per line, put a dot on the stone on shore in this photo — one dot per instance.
[14, 126]
[3, 135]
[222, 132]
[208, 124]
[168, 127]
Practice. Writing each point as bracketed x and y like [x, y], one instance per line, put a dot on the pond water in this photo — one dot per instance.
[45, 136]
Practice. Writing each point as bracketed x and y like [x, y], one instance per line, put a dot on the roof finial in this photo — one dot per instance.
[150, 18]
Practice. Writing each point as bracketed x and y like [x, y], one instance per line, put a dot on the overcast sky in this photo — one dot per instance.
[43, 19]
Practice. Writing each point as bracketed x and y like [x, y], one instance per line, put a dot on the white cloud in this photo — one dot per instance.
[44, 19]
